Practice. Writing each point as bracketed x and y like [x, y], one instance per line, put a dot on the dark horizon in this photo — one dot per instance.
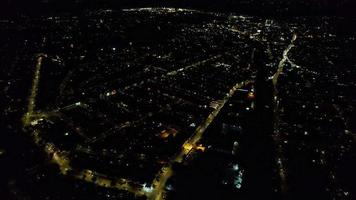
[256, 7]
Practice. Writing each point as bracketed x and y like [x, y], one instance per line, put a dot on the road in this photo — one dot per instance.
[32, 98]
[199, 63]
[189, 145]
[61, 158]
[276, 137]
[283, 61]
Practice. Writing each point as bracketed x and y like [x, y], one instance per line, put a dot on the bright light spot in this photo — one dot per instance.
[251, 95]
[146, 188]
[187, 147]
[238, 180]
[235, 167]
[169, 187]
[201, 148]
[35, 122]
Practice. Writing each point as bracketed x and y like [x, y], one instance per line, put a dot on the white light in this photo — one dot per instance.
[236, 167]
[169, 187]
[238, 186]
[146, 188]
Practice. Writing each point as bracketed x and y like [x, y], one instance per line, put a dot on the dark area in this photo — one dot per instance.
[177, 100]
[252, 7]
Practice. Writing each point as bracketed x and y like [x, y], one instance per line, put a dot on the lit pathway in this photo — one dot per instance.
[61, 158]
[279, 153]
[199, 63]
[189, 145]
[32, 99]
[283, 61]
[176, 71]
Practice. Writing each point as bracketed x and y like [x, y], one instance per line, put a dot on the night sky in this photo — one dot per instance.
[253, 7]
